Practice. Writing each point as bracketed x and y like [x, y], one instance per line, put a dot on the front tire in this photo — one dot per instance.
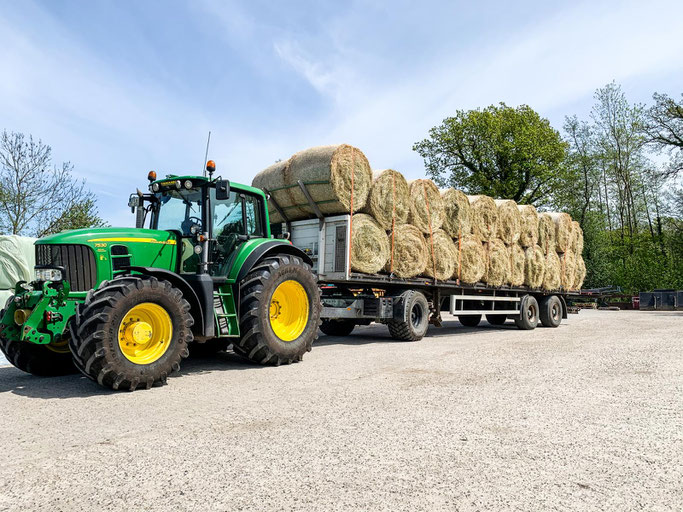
[132, 332]
[279, 311]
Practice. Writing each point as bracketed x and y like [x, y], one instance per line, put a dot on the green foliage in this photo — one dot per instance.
[499, 151]
[81, 214]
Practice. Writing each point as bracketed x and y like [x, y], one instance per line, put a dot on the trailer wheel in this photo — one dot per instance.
[131, 333]
[416, 310]
[469, 320]
[496, 319]
[334, 327]
[550, 311]
[279, 311]
[528, 313]
[209, 347]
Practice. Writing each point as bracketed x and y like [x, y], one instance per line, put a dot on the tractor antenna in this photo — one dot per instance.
[206, 155]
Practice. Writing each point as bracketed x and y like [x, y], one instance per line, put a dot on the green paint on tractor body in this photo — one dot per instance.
[180, 210]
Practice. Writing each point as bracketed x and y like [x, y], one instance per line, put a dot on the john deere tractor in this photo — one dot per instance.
[125, 306]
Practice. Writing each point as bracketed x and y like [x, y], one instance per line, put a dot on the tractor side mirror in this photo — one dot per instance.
[222, 190]
[133, 202]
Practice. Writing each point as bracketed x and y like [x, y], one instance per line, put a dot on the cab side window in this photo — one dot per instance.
[253, 209]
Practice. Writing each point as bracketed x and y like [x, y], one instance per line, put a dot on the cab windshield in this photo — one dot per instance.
[180, 210]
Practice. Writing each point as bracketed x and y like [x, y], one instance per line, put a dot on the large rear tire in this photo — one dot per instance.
[416, 311]
[279, 311]
[42, 360]
[333, 327]
[132, 332]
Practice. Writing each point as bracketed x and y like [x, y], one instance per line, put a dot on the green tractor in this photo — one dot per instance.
[125, 306]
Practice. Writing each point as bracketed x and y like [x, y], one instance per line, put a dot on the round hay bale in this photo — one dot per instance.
[369, 245]
[509, 220]
[457, 221]
[534, 266]
[470, 259]
[567, 270]
[517, 261]
[389, 198]
[425, 205]
[546, 233]
[445, 256]
[498, 263]
[577, 238]
[552, 274]
[326, 171]
[484, 217]
[580, 274]
[528, 229]
[563, 230]
[409, 252]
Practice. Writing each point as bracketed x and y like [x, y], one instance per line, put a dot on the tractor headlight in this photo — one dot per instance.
[155, 187]
[48, 274]
[188, 184]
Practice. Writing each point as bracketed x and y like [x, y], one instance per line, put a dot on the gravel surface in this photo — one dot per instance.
[588, 416]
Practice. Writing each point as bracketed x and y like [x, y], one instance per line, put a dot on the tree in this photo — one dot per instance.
[37, 197]
[665, 129]
[500, 151]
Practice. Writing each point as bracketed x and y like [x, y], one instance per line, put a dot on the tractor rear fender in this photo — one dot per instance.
[199, 307]
[267, 249]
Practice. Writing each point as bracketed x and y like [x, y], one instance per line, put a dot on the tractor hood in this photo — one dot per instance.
[110, 236]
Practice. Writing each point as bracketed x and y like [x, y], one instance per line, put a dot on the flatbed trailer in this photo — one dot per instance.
[408, 306]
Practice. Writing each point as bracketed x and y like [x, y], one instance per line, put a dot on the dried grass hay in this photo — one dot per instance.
[580, 274]
[457, 221]
[552, 275]
[546, 233]
[577, 238]
[498, 263]
[563, 230]
[326, 171]
[445, 256]
[567, 270]
[509, 220]
[517, 261]
[484, 217]
[409, 252]
[425, 205]
[389, 198]
[470, 259]
[370, 245]
[528, 229]
[534, 266]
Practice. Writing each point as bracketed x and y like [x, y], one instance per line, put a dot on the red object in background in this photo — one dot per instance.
[636, 302]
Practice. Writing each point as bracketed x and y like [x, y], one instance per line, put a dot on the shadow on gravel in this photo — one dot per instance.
[69, 386]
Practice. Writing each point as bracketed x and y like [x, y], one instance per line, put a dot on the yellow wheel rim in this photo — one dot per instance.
[145, 333]
[289, 310]
[60, 347]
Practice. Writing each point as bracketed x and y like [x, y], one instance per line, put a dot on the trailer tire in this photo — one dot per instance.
[469, 320]
[550, 311]
[41, 360]
[209, 347]
[496, 319]
[271, 297]
[416, 310]
[100, 333]
[334, 327]
[528, 313]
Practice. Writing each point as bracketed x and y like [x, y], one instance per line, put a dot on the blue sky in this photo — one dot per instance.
[122, 87]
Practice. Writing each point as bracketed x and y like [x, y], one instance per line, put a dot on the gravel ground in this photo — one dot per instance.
[588, 416]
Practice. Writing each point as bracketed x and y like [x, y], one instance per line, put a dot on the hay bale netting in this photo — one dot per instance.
[498, 263]
[534, 266]
[517, 260]
[425, 204]
[326, 171]
[577, 238]
[457, 210]
[484, 217]
[509, 220]
[470, 259]
[563, 230]
[567, 270]
[580, 274]
[551, 275]
[546, 233]
[528, 226]
[442, 266]
[369, 245]
[389, 198]
[409, 252]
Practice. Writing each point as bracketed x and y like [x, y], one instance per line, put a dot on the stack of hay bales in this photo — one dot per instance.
[411, 229]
